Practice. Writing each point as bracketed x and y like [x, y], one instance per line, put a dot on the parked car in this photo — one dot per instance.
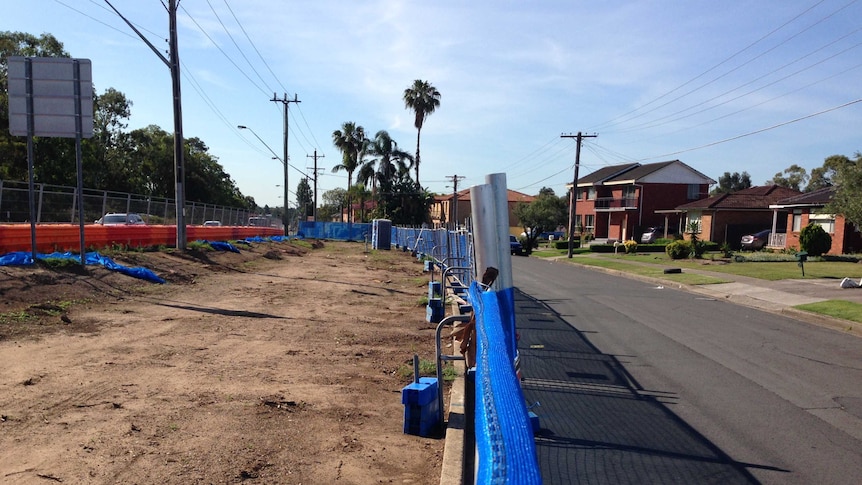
[756, 241]
[651, 234]
[120, 219]
[515, 245]
[212, 223]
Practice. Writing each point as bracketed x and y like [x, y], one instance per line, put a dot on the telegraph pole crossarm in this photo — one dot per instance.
[286, 102]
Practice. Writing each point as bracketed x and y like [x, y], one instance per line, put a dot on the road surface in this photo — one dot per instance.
[640, 383]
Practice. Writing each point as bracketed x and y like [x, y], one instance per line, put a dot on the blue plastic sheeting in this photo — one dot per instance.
[21, 258]
[222, 246]
[340, 231]
[504, 435]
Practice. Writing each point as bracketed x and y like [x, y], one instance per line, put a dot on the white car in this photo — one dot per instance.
[212, 223]
[120, 219]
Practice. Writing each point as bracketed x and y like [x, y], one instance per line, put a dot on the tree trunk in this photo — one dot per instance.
[418, 133]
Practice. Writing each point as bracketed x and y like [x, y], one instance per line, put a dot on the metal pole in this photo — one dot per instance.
[79, 158]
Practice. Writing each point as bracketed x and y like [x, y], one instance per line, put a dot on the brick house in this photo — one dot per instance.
[443, 209]
[619, 202]
[800, 210]
[728, 217]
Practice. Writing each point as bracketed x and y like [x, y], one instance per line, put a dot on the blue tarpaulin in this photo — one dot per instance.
[22, 258]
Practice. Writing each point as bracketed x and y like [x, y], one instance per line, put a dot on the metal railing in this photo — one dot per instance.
[608, 203]
[59, 204]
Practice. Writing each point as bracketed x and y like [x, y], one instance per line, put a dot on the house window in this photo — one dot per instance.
[591, 193]
[826, 221]
[591, 223]
[797, 220]
[693, 218]
[693, 191]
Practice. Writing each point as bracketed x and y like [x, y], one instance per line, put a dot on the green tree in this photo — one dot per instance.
[351, 141]
[304, 199]
[334, 202]
[403, 202]
[386, 161]
[544, 213]
[423, 98]
[847, 199]
[793, 177]
[824, 176]
[731, 182]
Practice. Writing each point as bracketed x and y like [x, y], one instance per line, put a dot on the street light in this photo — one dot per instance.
[284, 162]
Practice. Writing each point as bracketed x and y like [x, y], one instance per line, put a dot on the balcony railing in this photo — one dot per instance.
[778, 240]
[612, 203]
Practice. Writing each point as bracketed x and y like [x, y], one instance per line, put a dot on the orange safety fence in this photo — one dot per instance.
[66, 237]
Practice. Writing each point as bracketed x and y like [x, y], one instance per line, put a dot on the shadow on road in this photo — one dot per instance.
[598, 425]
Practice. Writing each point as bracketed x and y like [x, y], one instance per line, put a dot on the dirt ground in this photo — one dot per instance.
[278, 365]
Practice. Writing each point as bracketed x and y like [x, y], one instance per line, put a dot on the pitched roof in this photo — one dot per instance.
[606, 173]
[817, 198]
[464, 195]
[635, 172]
[760, 197]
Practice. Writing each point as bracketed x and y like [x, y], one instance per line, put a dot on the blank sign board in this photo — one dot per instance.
[54, 85]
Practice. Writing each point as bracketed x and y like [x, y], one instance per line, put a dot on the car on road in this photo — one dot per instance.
[120, 219]
[651, 234]
[212, 223]
[756, 241]
[515, 245]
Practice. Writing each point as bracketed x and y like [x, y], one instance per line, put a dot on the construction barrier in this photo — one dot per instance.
[66, 237]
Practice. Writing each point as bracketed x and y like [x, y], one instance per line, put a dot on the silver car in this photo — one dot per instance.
[120, 219]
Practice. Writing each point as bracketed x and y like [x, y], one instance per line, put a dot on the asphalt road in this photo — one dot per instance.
[641, 384]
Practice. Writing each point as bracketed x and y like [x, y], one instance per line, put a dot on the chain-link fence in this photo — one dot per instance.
[59, 204]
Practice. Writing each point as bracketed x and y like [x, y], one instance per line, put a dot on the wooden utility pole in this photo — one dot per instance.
[573, 196]
[286, 102]
[455, 179]
[315, 156]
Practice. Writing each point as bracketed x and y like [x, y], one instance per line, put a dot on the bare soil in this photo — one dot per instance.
[279, 365]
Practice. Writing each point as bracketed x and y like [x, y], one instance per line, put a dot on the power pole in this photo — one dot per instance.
[455, 179]
[315, 156]
[174, 65]
[286, 102]
[573, 197]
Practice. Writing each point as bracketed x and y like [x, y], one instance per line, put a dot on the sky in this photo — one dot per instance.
[735, 86]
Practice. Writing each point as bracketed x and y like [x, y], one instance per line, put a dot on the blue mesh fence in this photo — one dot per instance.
[340, 231]
[504, 436]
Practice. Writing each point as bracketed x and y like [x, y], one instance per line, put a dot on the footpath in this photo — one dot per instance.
[779, 296]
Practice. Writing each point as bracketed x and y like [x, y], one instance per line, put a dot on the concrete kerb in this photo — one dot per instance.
[753, 296]
[452, 470]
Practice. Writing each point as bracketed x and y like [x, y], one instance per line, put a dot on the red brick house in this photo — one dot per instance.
[619, 202]
[728, 217]
[800, 210]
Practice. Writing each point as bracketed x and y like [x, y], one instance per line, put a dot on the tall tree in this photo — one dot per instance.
[793, 177]
[351, 141]
[386, 162]
[731, 182]
[824, 176]
[334, 202]
[423, 98]
[546, 212]
[304, 199]
[847, 199]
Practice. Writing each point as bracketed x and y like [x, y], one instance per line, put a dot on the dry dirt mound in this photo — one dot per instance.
[279, 364]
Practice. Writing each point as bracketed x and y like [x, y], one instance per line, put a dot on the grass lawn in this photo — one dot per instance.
[772, 271]
[844, 310]
[651, 271]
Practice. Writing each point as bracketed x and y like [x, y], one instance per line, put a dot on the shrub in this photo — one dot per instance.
[678, 250]
[564, 244]
[631, 246]
[815, 240]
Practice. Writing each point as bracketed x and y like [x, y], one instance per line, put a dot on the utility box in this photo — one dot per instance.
[421, 407]
[381, 234]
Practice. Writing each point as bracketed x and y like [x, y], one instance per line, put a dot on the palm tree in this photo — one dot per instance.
[392, 162]
[423, 99]
[351, 142]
